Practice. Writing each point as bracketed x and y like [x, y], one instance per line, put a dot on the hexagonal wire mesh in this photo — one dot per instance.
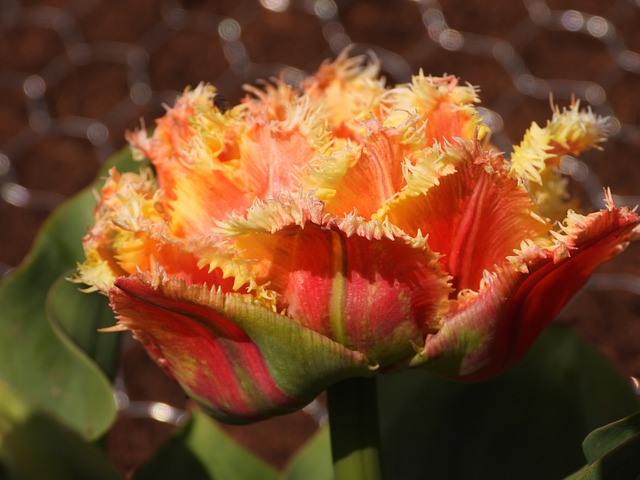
[76, 74]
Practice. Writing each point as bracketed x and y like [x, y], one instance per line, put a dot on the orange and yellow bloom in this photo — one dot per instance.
[342, 229]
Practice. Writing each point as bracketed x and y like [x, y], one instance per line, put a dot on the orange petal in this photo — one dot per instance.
[374, 174]
[131, 235]
[445, 106]
[474, 217]
[272, 155]
[166, 147]
[350, 91]
[201, 198]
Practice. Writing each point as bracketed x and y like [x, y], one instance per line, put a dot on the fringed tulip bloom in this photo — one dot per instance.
[339, 230]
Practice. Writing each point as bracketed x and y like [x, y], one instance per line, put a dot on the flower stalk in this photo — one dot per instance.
[355, 434]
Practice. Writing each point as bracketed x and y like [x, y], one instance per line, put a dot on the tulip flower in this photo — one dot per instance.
[342, 229]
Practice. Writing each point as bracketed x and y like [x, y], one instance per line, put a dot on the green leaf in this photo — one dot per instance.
[33, 359]
[201, 450]
[313, 460]
[33, 445]
[526, 424]
[76, 317]
[613, 451]
[604, 439]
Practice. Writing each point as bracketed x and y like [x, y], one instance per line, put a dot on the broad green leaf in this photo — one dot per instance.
[76, 317]
[201, 450]
[612, 451]
[33, 359]
[33, 445]
[313, 460]
[527, 424]
[604, 439]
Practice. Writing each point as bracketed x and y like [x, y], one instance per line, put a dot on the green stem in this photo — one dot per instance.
[355, 435]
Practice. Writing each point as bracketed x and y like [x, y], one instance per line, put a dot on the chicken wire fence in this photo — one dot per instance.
[75, 75]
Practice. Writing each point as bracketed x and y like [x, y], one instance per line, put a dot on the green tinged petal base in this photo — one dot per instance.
[277, 365]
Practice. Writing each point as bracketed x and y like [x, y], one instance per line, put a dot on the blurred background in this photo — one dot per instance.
[76, 74]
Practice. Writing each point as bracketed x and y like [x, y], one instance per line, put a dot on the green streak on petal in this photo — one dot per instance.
[248, 384]
[338, 289]
[300, 362]
[457, 352]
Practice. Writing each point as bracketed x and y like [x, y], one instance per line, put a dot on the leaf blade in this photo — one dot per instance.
[201, 450]
[35, 445]
[33, 359]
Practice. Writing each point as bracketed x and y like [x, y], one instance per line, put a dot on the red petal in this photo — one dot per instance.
[213, 359]
[490, 333]
[541, 296]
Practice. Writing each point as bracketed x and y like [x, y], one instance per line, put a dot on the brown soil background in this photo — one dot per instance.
[75, 75]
